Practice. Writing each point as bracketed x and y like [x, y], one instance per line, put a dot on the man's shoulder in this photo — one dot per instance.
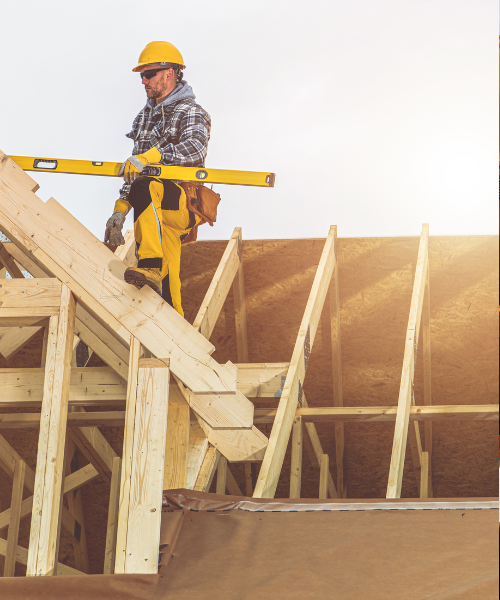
[188, 105]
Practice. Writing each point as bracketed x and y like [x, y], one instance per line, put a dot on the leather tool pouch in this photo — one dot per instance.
[201, 201]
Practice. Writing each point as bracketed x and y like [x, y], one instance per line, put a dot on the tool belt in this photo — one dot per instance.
[203, 202]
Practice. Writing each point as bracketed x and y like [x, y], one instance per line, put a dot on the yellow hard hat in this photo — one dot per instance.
[160, 52]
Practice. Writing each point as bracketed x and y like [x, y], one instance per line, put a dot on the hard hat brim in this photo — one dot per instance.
[136, 69]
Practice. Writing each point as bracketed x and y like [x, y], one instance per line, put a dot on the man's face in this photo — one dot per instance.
[160, 84]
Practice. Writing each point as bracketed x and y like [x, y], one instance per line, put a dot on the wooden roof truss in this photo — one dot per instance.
[185, 416]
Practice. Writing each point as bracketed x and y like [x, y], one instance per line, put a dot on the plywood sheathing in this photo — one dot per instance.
[376, 278]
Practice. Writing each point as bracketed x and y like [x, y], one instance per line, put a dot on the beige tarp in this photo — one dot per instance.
[217, 547]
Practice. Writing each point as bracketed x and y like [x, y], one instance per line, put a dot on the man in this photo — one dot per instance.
[170, 130]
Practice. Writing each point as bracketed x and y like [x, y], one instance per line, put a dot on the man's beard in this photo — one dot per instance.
[153, 93]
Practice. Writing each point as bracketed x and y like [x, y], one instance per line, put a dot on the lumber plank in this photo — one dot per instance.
[296, 463]
[8, 262]
[68, 250]
[406, 387]
[313, 437]
[232, 487]
[240, 311]
[43, 296]
[71, 482]
[424, 481]
[95, 386]
[148, 458]
[448, 412]
[337, 369]
[275, 452]
[98, 338]
[15, 519]
[26, 263]
[12, 339]
[220, 487]
[224, 411]
[198, 446]
[177, 444]
[47, 497]
[75, 508]
[126, 253]
[324, 469]
[94, 447]
[220, 285]
[261, 380]
[235, 444]
[22, 558]
[88, 386]
[112, 524]
[248, 480]
[426, 340]
[208, 469]
[128, 442]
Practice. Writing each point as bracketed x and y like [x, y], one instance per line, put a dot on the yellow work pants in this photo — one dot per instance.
[161, 221]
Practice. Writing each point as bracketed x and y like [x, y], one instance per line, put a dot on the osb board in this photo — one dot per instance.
[376, 279]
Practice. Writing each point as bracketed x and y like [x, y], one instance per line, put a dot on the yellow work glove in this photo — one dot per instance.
[134, 165]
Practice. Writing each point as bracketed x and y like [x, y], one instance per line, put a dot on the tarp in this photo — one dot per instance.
[229, 548]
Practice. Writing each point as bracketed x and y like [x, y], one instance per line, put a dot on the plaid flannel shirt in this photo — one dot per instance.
[180, 131]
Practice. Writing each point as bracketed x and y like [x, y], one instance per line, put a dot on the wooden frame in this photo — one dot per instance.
[403, 428]
[177, 433]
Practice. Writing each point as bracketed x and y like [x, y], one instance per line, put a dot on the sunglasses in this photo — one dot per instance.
[150, 73]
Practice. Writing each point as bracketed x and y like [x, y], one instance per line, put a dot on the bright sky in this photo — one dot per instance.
[375, 115]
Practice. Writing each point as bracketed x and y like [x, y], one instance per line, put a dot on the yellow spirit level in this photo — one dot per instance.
[110, 169]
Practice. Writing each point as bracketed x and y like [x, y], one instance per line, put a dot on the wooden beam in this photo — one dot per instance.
[374, 414]
[248, 480]
[72, 482]
[94, 447]
[148, 458]
[126, 253]
[110, 418]
[31, 296]
[406, 387]
[426, 333]
[95, 386]
[221, 476]
[261, 380]
[112, 526]
[12, 339]
[220, 285]
[47, 497]
[240, 311]
[75, 508]
[424, 490]
[313, 437]
[15, 519]
[223, 411]
[296, 464]
[110, 349]
[88, 386]
[198, 446]
[232, 487]
[128, 443]
[177, 444]
[292, 390]
[337, 368]
[208, 469]
[62, 245]
[235, 444]
[22, 558]
[324, 469]
[8, 262]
